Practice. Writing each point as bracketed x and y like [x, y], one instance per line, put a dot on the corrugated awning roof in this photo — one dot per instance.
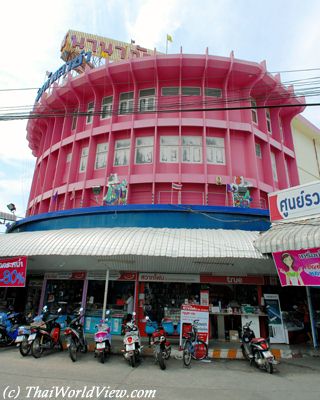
[290, 236]
[163, 242]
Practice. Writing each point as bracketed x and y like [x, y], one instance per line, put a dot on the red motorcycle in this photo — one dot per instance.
[46, 336]
[161, 346]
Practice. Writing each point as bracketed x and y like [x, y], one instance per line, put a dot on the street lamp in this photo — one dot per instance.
[11, 207]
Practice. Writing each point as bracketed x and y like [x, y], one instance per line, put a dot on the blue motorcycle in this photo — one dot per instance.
[9, 325]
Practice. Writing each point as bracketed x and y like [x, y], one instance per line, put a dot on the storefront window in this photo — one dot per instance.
[64, 294]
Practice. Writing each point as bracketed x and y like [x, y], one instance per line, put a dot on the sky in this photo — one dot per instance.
[285, 33]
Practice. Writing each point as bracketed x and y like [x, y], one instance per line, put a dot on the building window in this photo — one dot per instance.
[190, 91]
[268, 118]
[84, 159]
[213, 92]
[191, 149]
[170, 91]
[101, 156]
[254, 112]
[215, 150]
[274, 167]
[169, 149]
[122, 152]
[147, 100]
[258, 150]
[281, 129]
[126, 103]
[74, 119]
[90, 112]
[106, 107]
[144, 150]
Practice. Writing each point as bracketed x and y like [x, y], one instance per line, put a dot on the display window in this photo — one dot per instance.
[65, 294]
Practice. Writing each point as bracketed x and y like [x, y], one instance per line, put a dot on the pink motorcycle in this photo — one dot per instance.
[102, 339]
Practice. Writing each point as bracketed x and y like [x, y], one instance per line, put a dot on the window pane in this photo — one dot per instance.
[215, 150]
[144, 155]
[190, 91]
[144, 141]
[170, 91]
[213, 92]
[126, 96]
[147, 92]
[169, 140]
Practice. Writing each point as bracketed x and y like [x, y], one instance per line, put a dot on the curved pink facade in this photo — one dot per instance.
[191, 124]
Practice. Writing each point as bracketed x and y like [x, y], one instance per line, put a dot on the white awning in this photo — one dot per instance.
[290, 236]
[145, 249]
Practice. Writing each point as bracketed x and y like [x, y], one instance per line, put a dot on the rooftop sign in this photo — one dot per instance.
[102, 47]
[295, 203]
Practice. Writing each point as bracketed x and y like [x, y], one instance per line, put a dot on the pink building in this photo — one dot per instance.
[159, 120]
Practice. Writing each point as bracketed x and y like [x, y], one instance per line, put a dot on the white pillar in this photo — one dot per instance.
[105, 295]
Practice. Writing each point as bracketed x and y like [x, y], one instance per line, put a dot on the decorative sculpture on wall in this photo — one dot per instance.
[240, 192]
[117, 191]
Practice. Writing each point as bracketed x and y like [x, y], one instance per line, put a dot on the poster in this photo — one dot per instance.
[298, 267]
[275, 321]
[192, 312]
[13, 272]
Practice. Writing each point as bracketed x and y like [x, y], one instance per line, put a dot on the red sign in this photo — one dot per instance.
[233, 280]
[13, 272]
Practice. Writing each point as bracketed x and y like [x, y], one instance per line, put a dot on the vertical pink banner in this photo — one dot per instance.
[298, 267]
[13, 272]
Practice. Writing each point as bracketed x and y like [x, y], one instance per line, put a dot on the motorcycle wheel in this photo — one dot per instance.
[200, 350]
[269, 367]
[36, 349]
[244, 353]
[161, 361]
[167, 353]
[84, 348]
[132, 360]
[102, 357]
[73, 350]
[60, 345]
[24, 348]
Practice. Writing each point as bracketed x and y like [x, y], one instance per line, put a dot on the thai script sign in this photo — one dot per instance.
[297, 202]
[298, 267]
[100, 46]
[155, 277]
[75, 63]
[234, 280]
[13, 272]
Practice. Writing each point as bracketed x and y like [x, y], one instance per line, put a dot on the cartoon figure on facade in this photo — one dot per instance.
[117, 191]
[293, 277]
[240, 192]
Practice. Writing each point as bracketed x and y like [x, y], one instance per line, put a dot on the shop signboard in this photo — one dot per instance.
[192, 312]
[158, 277]
[295, 203]
[233, 280]
[298, 267]
[74, 275]
[113, 276]
[275, 321]
[13, 272]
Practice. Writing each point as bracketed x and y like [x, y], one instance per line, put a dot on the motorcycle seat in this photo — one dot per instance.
[258, 340]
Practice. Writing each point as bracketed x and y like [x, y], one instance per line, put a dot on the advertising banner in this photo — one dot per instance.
[191, 313]
[298, 267]
[275, 321]
[296, 202]
[13, 272]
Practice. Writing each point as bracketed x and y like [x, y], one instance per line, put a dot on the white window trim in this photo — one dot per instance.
[254, 111]
[84, 158]
[268, 120]
[108, 106]
[222, 148]
[258, 153]
[192, 147]
[90, 110]
[171, 147]
[121, 149]
[274, 166]
[98, 153]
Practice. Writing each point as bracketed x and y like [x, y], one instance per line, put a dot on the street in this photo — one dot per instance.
[27, 377]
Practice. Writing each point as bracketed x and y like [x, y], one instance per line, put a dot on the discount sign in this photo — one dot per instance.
[13, 272]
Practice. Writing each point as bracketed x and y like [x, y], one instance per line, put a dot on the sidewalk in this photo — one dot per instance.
[219, 349]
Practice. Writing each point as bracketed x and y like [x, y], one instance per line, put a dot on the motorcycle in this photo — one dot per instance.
[257, 350]
[9, 324]
[25, 330]
[75, 336]
[161, 346]
[132, 342]
[102, 339]
[46, 336]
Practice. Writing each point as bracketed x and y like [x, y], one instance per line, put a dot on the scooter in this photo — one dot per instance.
[46, 336]
[102, 339]
[131, 342]
[75, 336]
[257, 350]
[161, 346]
[9, 324]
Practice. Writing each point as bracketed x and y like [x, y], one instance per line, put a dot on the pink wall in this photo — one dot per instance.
[51, 139]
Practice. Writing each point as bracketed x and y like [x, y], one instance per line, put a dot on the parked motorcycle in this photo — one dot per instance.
[257, 350]
[132, 342]
[161, 346]
[75, 336]
[9, 324]
[102, 339]
[46, 336]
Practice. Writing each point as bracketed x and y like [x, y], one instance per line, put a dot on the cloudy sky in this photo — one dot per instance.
[285, 33]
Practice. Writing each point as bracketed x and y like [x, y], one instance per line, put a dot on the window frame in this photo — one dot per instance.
[258, 152]
[170, 147]
[191, 149]
[254, 111]
[116, 150]
[99, 153]
[84, 159]
[147, 98]
[268, 120]
[105, 109]
[143, 146]
[90, 110]
[274, 166]
[215, 149]
[129, 102]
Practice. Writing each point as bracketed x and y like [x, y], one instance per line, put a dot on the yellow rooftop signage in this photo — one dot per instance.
[102, 47]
